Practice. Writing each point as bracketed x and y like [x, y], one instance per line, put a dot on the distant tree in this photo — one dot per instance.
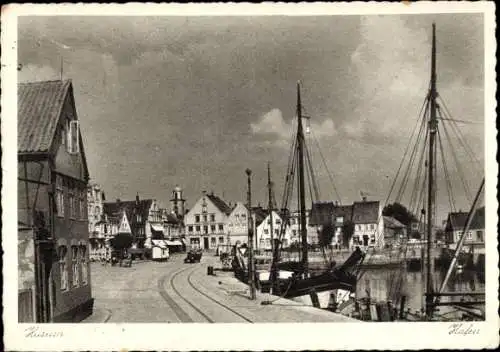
[325, 236]
[416, 235]
[121, 241]
[400, 213]
[347, 232]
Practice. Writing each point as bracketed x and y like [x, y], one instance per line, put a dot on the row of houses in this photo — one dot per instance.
[145, 220]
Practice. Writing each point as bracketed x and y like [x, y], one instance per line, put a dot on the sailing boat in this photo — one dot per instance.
[424, 198]
[303, 282]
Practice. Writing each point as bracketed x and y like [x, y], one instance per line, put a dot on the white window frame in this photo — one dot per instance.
[62, 252]
[82, 205]
[75, 267]
[71, 198]
[74, 145]
[60, 195]
[469, 235]
[83, 263]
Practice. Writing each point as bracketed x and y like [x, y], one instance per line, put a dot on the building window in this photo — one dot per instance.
[221, 227]
[74, 146]
[372, 226]
[196, 218]
[197, 228]
[221, 239]
[204, 218]
[212, 241]
[63, 270]
[205, 229]
[71, 199]
[75, 266]
[278, 221]
[294, 232]
[480, 236]
[340, 219]
[212, 228]
[83, 262]
[469, 235]
[243, 216]
[212, 217]
[59, 195]
[277, 232]
[82, 207]
[190, 228]
[266, 232]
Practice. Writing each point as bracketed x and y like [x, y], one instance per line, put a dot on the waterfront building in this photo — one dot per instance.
[53, 229]
[292, 231]
[365, 216]
[206, 222]
[455, 225]
[263, 230]
[237, 224]
[394, 231]
[368, 224]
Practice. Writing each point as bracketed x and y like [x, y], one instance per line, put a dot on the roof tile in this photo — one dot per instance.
[39, 107]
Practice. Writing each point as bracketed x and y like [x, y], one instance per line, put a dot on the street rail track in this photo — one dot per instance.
[214, 300]
[181, 313]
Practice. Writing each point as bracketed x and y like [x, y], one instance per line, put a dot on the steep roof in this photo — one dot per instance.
[321, 213]
[39, 108]
[260, 215]
[220, 204]
[391, 222]
[113, 209]
[457, 220]
[365, 212]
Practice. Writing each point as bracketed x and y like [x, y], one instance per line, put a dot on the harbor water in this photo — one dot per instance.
[376, 283]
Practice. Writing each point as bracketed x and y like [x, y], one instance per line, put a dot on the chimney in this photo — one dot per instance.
[137, 198]
[118, 200]
[364, 198]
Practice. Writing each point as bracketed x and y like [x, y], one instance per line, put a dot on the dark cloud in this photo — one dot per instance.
[169, 100]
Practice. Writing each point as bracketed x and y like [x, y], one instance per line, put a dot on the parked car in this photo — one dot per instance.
[193, 256]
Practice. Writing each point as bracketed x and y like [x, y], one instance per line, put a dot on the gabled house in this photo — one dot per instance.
[294, 228]
[394, 231]
[206, 222]
[138, 216]
[366, 216]
[237, 224]
[52, 206]
[455, 225]
[268, 227]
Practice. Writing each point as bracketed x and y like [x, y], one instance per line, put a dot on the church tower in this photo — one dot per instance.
[177, 202]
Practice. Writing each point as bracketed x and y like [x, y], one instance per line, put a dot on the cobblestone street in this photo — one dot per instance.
[175, 292]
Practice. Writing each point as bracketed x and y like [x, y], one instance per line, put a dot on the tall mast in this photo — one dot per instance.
[270, 205]
[302, 200]
[431, 174]
[273, 275]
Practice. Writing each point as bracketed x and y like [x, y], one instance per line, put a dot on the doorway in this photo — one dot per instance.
[205, 243]
[365, 240]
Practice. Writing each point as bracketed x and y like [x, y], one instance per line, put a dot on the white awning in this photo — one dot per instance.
[159, 243]
[174, 243]
[157, 227]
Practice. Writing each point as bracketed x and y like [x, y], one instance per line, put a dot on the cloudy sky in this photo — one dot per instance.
[195, 101]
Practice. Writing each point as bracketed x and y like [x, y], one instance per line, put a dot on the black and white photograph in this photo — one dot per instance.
[186, 169]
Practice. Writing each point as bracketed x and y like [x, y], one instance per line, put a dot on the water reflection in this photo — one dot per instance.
[378, 284]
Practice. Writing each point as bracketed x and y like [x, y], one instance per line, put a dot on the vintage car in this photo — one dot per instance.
[193, 256]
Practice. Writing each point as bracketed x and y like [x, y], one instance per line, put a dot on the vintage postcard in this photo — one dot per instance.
[309, 176]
